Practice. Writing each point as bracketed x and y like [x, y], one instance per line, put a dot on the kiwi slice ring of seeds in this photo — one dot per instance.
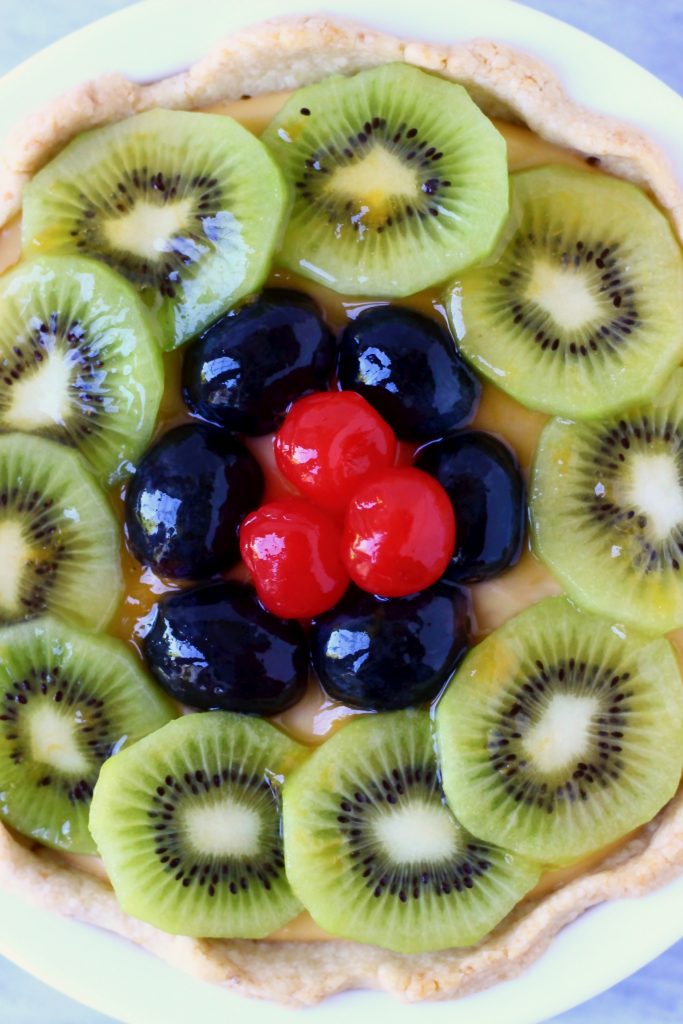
[607, 510]
[375, 854]
[188, 823]
[59, 538]
[561, 733]
[68, 701]
[399, 179]
[581, 312]
[187, 206]
[79, 362]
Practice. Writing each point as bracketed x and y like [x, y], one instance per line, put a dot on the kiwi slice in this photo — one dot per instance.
[400, 181]
[607, 510]
[78, 360]
[374, 853]
[188, 824]
[187, 206]
[561, 732]
[581, 313]
[68, 701]
[59, 539]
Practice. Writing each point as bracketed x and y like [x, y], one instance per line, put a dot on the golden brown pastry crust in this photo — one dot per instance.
[288, 53]
[301, 973]
[272, 57]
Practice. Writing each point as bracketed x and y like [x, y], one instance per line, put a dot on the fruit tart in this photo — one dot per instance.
[341, 514]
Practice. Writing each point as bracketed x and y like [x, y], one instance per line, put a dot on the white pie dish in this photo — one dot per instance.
[85, 55]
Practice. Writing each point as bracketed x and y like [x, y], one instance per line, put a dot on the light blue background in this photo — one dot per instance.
[649, 31]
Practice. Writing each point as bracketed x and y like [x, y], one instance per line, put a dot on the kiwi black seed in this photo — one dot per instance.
[375, 854]
[68, 701]
[59, 538]
[580, 313]
[561, 732]
[399, 180]
[188, 825]
[607, 510]
[187, 206]
[78, 360]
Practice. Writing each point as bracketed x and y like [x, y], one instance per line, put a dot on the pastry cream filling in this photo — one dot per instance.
[40, 399]
[494, 602]
[148, 228]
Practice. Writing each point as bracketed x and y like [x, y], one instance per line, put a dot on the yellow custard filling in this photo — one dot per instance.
[494, 602]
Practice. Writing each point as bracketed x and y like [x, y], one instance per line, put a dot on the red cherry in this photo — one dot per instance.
[293, 552]
[399, 533]
[330, 443]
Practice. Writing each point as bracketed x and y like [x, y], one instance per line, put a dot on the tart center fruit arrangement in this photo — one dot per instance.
[268, 639]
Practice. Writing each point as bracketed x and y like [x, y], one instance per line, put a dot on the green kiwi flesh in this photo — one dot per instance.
[374, 853]
[561, 733]
[78, 360]
[188, 206]
[59, 538]
[581, 312]
[68, 701]
[400, 181]
[607, 510]
[188, 825]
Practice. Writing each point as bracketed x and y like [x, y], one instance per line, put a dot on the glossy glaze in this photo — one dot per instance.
[494, 601]
[316, 716]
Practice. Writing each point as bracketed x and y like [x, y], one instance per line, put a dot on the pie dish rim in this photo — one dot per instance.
[512, 82]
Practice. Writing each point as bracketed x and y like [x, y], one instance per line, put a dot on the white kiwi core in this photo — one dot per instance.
[373, 183]
[562, 735]
[223, 829]
[654, 487]
[53, 740]
[147, 229]
[564, 293]
[41, 398]
[14, 554]
[415, 833]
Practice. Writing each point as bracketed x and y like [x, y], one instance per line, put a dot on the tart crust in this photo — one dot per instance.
[291, 52]
[274, 56]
